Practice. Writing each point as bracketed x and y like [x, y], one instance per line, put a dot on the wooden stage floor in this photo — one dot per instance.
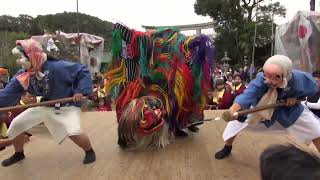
[188, 158]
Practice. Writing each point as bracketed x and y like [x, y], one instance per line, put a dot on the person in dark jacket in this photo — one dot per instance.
[51, 79]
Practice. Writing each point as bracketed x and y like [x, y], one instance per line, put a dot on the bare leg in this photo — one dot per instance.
[5, 142]
[229, 142]
[18, 143]
[83, 141]
[316, 142]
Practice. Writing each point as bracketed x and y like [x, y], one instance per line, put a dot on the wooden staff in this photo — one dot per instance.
[227, 116]
[45, 103]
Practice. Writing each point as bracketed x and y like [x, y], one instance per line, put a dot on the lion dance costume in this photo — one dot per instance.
[160, 81]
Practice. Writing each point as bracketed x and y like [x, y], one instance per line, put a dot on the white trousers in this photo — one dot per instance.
[304, 130]
[60, 126]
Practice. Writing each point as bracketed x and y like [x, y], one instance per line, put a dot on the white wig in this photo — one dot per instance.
[284, 62]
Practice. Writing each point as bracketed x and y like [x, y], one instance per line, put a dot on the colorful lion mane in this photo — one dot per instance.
[160, 81]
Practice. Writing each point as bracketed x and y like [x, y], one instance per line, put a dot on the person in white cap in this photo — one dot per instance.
[278, 81]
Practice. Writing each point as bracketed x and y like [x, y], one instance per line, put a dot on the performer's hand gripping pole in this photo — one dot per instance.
[46, 103]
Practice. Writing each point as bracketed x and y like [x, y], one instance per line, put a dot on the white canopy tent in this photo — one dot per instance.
[83, 48]
[299, 39]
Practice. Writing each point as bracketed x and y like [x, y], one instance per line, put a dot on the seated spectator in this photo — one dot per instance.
[222, 97]
[238, 85]
[288, 162]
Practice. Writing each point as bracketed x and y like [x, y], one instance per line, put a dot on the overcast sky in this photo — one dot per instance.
[133, 13]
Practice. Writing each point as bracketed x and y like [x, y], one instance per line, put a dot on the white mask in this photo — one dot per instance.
[286, 64]
[24, 62]
[22, 59]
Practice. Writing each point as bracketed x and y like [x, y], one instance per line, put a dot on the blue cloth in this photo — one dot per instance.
[300, 86]
[62, 79]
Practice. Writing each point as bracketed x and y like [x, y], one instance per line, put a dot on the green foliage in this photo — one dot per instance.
[25, 26]
[7, 42]
[235, 24]
[22, 23]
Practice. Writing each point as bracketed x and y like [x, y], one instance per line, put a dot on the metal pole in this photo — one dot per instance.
[312, 5]
[272, 35]
[255, 36]
[78, 29]
[77, 17]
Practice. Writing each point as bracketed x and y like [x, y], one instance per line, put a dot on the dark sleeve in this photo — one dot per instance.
[11, 94]
[83, 81]
[304, 85]
[76, 74]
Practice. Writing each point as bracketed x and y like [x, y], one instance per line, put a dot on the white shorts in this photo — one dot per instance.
[60, 126]
[304, 130]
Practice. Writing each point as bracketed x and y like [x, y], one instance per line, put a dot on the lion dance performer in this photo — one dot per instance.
[160, 81]
[51, 79]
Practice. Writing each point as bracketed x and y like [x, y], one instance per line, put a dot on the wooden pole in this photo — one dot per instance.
[226, 116]
[45, 103]
[261, 108]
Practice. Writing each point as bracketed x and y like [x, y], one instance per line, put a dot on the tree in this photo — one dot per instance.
[235, 23]
[35, 28]
[24, 23]
[59, 21]
[87, 24]
[8, 40]
[25, 26]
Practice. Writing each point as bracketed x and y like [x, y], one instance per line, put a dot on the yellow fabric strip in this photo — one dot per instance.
[215, 99]
[3, 130]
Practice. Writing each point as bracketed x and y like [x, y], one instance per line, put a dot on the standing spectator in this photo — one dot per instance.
[3, 74]
[252, 71]
[313, 102]
[243, 74]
